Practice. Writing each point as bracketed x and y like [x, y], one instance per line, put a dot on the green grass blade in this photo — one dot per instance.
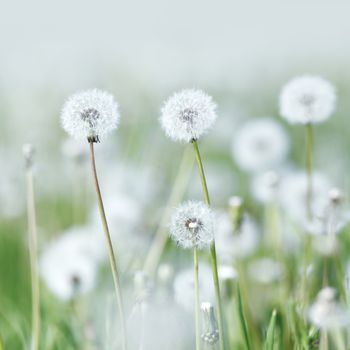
[242, 319]
[270, 335]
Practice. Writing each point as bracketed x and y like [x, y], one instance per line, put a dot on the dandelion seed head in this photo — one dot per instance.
[28, 154]
[259, 145]
[326, 312]
[68, 265]
[90, 114]
[307, 99]
[235, 202]
[192, 225]
[265, 186]
[335, 195]
[188, 115]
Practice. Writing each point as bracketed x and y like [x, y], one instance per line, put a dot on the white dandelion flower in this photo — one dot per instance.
[187, 115]
[184, 287]
[231, 245]
[326, 312]
[265, 187]
[90, 114]
[192, 225]
[68, 266]
[260, 144]
[293, 194]
[307, 99]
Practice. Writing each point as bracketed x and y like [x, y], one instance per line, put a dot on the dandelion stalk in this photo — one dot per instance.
[111, 254]
[212, 247]
[196, 298]
[33, 248]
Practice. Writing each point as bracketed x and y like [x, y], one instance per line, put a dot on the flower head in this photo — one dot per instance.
[187, 115]
[260, 144]
[307, 99]
[326, 312]
[69, 265]
[192, 225]
[90, 114]
[293, 193]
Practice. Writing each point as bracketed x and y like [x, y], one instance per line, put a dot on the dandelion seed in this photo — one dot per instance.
[260, 144]
[326, 312]
[188, 115]
[307, 99]
[90, 114]
[192, 225]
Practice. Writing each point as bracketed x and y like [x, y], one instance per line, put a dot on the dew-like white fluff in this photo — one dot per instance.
[68, 265]
[293, 195]
[231, 245]
[192, 225]
[188, 115]
[260, 144]
[91, 113]
[326, 312]
[307, 99]
[184, 286]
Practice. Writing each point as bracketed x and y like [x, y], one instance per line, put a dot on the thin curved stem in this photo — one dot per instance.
[212, 249]
[33, 252]
[196, 298]
[111, 254]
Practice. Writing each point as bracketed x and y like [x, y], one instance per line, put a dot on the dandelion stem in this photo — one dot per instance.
[111, 254]
[212, 249]
[196, 298]
[33, 251]
[309, 168]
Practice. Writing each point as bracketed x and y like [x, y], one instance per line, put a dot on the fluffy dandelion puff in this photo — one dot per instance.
[326, 312]
[192, 225]
[187, 115]
[260, 144]
[307, 99]
[68, 271]
[90, 114]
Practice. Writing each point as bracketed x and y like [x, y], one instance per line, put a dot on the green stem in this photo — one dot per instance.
[111, 254]
[196, 298]
[33, 252]
[309, 168]
[212, 249]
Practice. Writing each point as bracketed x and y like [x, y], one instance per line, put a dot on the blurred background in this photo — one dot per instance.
[240, 52]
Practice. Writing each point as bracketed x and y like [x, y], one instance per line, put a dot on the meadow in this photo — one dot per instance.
[222, 220]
